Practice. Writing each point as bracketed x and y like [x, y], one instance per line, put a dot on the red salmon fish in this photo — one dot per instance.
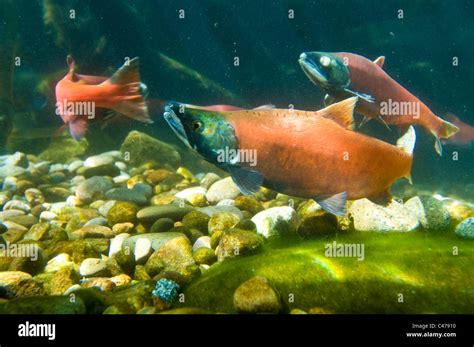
[341, 75]
[78, 96]
[299, 153]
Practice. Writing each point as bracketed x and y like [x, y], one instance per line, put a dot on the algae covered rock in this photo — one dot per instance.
[152, 213]
[122, 212]
[140, 148]
[196, 220]
[44, 305]
[204, 255]
[63, 149]
[466, 229]
[176, 255]
[317, 224]
[257, 295]
[237, 242]
[222, 221]
[431, 212]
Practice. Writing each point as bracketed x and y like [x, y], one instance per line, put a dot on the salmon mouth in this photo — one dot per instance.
[175, 124]
[312, 70]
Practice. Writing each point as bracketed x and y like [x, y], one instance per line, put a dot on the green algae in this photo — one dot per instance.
[400, 273]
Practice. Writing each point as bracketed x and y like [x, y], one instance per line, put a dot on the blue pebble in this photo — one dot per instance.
[167, 290]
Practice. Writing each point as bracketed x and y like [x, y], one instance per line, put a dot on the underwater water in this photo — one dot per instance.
[108, 204]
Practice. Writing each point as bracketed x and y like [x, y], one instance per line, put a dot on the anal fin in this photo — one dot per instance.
[335, 204]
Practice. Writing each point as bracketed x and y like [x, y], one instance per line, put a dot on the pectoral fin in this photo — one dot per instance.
[249, 181]
[335, 204]
[366, 97]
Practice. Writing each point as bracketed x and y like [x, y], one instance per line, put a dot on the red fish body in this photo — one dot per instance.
[307, 154]
[381, 97]
[121, 92]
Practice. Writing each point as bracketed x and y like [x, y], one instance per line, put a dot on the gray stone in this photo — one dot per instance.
[153, 213]
[93, 188]
[276, 221]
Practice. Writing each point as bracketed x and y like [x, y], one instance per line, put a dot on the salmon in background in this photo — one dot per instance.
[78, 96]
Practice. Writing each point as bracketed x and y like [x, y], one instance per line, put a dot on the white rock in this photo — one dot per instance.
[72, 289]
[57, 207]
[226, 202]
[75, 165]
[116, 243]
[105, 208]
[122, 178]
[58, 262]
[202, 242]
[276, 220]
[186, 193]
[142, 250]
[72, 201]
[9, 183]
[47, 216]
[222, 189]
[17, 205]
[92, 267]
[121, 165]
[99, 160]
[57, 168]
[368, 216]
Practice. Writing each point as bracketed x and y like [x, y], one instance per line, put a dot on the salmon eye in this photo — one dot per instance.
[197, 125]
[325, 61]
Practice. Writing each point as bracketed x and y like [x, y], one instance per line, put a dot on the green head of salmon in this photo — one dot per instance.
[207, 132]
[326, 70]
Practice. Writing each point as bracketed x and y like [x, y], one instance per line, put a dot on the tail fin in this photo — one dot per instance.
[133, 104]
[78, 128]
[341, 112]
[445, 131]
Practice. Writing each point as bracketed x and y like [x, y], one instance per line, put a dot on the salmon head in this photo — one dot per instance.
[326, 70]
[207, 132]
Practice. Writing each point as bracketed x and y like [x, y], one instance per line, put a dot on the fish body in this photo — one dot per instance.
[123, 93]
[380, 96]
[299, 153]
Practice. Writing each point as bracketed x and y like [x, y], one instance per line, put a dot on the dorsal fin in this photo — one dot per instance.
[379, 61]
[129, 72]
[341, 112]
[72, 68]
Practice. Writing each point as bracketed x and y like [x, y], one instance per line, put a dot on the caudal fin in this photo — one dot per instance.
[444, 131]
[78, 128]
[133, 92]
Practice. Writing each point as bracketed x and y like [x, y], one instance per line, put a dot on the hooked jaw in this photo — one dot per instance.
[312, 70]
[175, 123]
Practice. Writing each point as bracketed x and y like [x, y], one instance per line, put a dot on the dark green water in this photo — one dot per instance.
[419, 50]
